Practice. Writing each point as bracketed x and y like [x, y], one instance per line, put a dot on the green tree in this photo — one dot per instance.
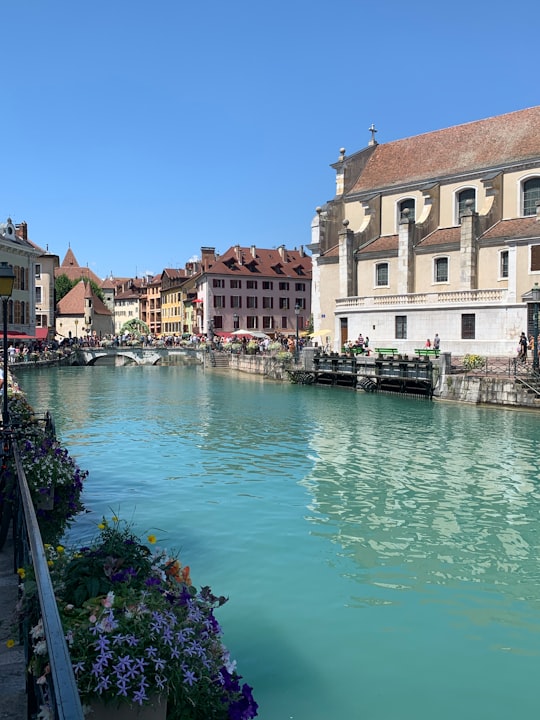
[62, 286]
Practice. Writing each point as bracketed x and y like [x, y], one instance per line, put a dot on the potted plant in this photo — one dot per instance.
[140, 635]
[55, 482]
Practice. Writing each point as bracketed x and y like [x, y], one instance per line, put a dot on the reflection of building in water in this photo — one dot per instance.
[430, 496]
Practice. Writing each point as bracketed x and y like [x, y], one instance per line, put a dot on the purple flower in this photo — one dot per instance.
[189, 677]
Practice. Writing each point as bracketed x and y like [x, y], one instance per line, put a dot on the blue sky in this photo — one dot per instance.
[136, 132]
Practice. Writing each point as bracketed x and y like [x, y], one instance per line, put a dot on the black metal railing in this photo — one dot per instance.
[29, 550]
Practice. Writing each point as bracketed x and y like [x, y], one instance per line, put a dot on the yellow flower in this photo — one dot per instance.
[102, 526]
[60, 549]
[21, 572]
[115, 519]
[50, 563]
[151, 539]
[10, 643]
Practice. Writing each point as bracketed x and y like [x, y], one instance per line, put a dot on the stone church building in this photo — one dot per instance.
[437, 233]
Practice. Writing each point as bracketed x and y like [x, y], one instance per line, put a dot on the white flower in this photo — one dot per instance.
[37, 631]
[40, 648]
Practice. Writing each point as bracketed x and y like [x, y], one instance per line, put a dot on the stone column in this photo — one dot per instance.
[405, 277]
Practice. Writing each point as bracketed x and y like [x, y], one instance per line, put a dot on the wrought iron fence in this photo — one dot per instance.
[29, 550]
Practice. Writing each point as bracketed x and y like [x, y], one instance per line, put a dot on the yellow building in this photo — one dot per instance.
[437, 233]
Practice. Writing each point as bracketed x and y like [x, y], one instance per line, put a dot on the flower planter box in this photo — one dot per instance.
[156, 709]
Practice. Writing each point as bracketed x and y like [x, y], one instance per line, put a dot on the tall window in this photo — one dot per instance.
[408, 205]
[284, 303]
[468, 326]
[252, 322]
[401, 327]
[236, 301]
[268, 302]
[251, 301]
[38, 270]
[38, 293]
[219, 301]
[531, 196]
[503, 264]
[461, 202]
[535, 258]
[381, 274]
[268, 322]
[236, 284]
[441, 269]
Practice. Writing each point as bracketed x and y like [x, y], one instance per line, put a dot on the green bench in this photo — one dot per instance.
[386, 351]
[428, 351]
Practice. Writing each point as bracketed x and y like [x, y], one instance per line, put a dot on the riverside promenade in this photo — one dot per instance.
[12, 665]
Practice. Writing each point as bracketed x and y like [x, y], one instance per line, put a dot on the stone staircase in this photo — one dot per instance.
[220, 360]
[12, 664]
[531, 383]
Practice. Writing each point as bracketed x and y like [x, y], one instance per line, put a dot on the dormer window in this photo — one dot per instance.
[462, 202]
[531, 196]
[407, 210]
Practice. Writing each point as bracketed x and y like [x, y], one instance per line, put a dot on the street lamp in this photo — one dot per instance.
[297, 313]
[535, 293]
[76, 332]
[235, 321]
[7, 278]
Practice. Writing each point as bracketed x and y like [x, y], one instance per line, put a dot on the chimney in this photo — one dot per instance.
[253, 252]
[21, 230]
[208, 256]
[301, 251]
[281, 250]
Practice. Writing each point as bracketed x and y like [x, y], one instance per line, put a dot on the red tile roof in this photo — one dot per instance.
[73, 302]
[496, 141]
[250, 261]
[518, 228]
[381, 244]
[71, 268]
[442, 236]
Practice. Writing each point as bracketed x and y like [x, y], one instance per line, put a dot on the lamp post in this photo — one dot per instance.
[535, 292]
[76, 332]
[297, 313]
[235, 321]
[7, 278]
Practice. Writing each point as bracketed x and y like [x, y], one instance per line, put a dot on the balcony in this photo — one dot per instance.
[456, 297]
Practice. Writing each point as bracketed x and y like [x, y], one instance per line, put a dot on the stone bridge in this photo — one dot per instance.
[137, 355]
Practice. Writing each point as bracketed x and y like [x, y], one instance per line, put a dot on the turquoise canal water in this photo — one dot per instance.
[381, 554]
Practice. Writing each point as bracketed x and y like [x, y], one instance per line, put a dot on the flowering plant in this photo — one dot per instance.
[51, 471]
[137, 628]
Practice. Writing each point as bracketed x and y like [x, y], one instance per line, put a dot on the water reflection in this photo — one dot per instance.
[430, 494]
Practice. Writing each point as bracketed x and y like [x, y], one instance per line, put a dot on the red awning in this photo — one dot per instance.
[41, 334]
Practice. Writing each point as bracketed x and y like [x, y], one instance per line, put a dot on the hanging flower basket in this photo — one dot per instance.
[45, 498]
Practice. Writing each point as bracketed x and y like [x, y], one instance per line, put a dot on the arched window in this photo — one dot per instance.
[408, 205]
[461, 202]
[531, 196]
